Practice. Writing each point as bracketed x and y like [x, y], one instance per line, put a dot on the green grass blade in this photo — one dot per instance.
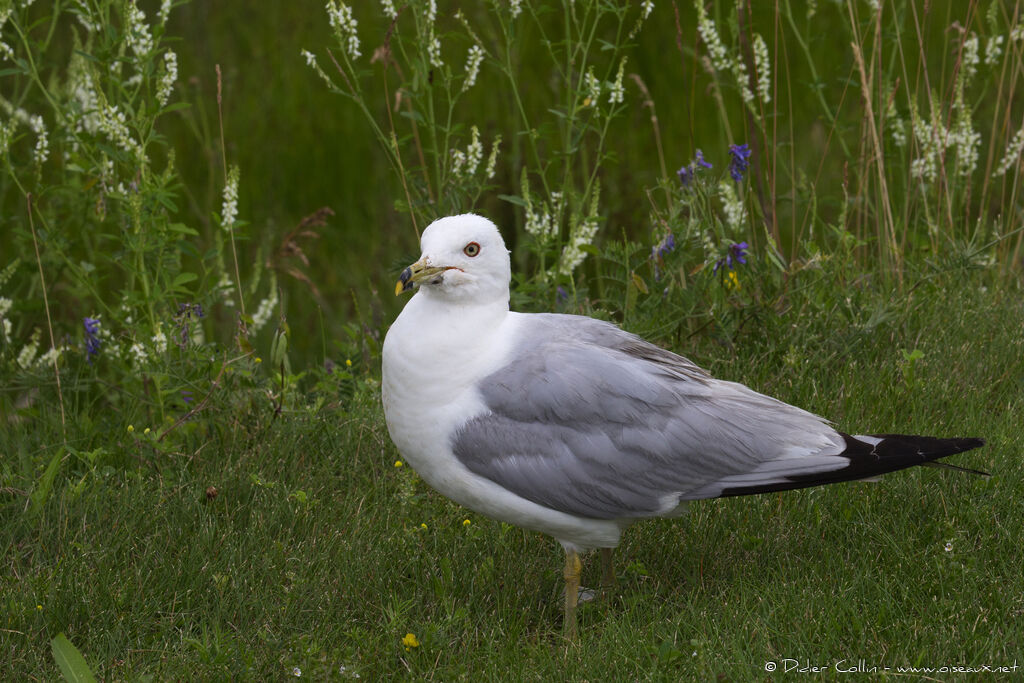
[70, 660]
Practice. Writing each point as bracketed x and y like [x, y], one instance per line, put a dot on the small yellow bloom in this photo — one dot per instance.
[348, 362]
[39, 607]
[398, 463]
[258, 359]
[146, 431]
[466, 522]
[423, 526]
[131, 429]
[732, 282]
[410, 641]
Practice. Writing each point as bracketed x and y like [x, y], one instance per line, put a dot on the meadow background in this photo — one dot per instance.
[197, 255]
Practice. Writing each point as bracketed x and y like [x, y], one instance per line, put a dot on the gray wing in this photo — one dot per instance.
[596, 422]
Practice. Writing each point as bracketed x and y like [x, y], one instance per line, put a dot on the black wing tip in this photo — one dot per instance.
[892, 453]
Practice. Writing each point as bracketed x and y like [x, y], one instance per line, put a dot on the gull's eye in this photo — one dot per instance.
[471, 249]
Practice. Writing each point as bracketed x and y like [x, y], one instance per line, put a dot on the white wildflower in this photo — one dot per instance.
[735, 213]
[1017, 34]
[544, 221]
[431, 11]
[113, 123]
[49, 358]
[617, 91]
[389, 8]
[592, 87]
[709, 34]
[27, 355]
[167, 79]
[165, 11]
[138, 352]
[763, 67]
[458, 162]
[1012, 153]
[474, 152]
[345, 26]
[897, 128]
[434, 51]
[140, 40]
[309, 57]
[993, 50]
[969, 65]
[229, 207]
[6, 133]
[5, 49]
[473, 61]
[647, 6]
[573, 253]
[739, 70]
[932, 139]
[5, 324]
[5, 305]
[875, 5]
[226, 287]
[516, 6]
[492, 159]
[264, 311]
[159, 341]
[42, 149]
[965, 139]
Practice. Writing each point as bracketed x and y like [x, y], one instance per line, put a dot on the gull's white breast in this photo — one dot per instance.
[433, 357]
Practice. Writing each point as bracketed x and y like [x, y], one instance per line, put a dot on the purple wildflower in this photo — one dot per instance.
[658, 251]
[737, 253]
[740, 161]
[561, 294]
[687, 173]
[92, 339]
[186, 396]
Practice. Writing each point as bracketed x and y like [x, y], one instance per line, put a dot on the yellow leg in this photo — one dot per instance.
[607, 568]
[573, 569]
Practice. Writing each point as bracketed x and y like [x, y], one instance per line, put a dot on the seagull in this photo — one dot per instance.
[572, 427]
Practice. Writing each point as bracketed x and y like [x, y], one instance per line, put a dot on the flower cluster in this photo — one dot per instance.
[345, 26]
[473, 61]
[140, 40]
[763, 67]
[737, 253]
[229, 206]
[660, 250]
[92, 337]
[617, 90]
[735, 214]
[1012, 153]
[739, 161]
[686, 174]
[170, 75]
[264, 311]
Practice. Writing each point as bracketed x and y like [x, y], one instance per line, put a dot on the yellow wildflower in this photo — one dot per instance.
[731, 281]
[423, 526]
[131, 429]
[466, 522]
[398, 463]
[410, 641]
[348, 362]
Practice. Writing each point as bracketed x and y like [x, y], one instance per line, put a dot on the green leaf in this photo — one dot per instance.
[45, 484]
[70, 660]
[182, 278]
[512, 199]
[182, 229]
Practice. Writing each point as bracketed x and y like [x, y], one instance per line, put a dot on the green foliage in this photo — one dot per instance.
[71, 662]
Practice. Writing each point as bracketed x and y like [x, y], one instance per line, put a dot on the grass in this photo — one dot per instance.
[312, 554]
